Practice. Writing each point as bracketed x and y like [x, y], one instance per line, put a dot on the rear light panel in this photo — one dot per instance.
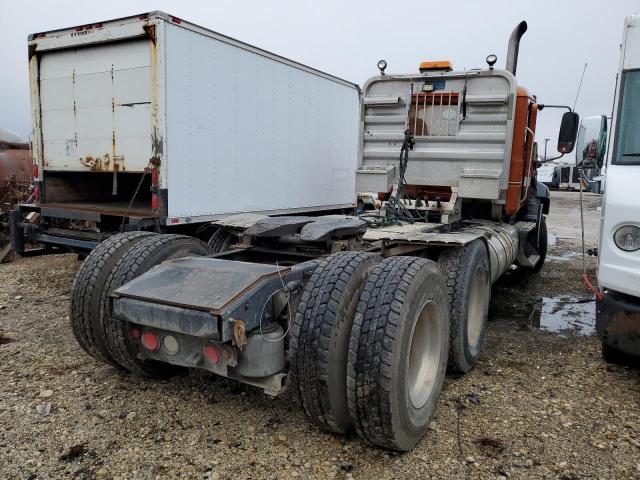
[187, 350]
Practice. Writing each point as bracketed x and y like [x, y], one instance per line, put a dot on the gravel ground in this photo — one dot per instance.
[539, 404]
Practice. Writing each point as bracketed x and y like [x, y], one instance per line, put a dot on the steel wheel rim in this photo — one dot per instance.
[424, 355]
[478, 301]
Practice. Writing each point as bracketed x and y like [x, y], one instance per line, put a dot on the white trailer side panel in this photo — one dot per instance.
[95, 104]
[246, 132]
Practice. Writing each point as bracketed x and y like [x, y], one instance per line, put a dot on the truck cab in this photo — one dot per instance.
[618, 303]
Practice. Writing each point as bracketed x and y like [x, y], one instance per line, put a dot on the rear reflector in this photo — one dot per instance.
[150, 341]
[36, 171]
[211, 354]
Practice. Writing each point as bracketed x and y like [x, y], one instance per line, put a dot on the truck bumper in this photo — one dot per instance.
[618, 322]
[44, 232]
[23, 232]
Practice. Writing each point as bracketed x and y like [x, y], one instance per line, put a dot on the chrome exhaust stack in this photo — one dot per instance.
[514, 46]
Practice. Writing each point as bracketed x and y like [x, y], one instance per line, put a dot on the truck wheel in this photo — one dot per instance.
[320, 337]
[468, 276]
[221, 241]
[611, 354]
[86, 296]
[398, 352]
[133, 263]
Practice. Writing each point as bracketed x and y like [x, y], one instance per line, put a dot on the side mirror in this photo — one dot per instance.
[591, 145]
[602, 142]
[568, 132]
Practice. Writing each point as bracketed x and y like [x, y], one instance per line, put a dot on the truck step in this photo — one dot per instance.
[525, 226]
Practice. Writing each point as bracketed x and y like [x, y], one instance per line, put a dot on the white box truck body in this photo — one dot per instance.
[219, 126]
[618, 302]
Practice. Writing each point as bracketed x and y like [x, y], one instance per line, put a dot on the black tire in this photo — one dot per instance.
[134, 262]
[611, 354]
[389, 406]
[320, 335]
[468, 275]
[221, 240]
[86, 293]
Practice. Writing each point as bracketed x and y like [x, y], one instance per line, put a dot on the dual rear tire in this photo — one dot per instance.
[110, 265]
[369, 346]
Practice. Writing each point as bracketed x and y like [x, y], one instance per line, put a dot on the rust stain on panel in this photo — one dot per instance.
[151, 31]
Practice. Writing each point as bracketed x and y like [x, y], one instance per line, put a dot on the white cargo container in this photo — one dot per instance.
[225, 126]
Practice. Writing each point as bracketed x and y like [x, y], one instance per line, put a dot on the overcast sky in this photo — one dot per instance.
[348, 38]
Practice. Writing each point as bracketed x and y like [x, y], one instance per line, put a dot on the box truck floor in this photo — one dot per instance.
[137, 209]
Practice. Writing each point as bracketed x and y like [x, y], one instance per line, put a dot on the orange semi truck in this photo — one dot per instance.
[360, 315]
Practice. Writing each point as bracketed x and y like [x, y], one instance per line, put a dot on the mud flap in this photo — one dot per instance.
[618, 323]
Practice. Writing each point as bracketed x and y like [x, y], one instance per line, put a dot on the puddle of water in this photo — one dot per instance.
[564, 257]
[562, 315]
[565, 315]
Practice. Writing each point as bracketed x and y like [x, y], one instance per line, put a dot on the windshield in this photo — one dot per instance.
[628, 145]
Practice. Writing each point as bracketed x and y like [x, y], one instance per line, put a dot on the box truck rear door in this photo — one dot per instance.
[95, 104]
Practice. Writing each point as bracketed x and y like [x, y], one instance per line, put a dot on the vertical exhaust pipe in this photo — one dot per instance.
[514, 46]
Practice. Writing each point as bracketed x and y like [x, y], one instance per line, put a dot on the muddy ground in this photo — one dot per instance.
[540, 404]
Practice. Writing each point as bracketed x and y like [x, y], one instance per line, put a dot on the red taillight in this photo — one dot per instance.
[36, 193]
[78, 29]
[154, 177]
[154, 201]
[211, 353]
[36, 171]
[135, 333]
[142, 17]
[98, 25]
[150, 341]
[176, 20]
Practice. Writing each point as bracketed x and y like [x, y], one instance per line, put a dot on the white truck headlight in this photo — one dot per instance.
[627, 238]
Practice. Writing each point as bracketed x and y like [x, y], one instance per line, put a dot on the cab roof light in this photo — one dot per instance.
[433, 66]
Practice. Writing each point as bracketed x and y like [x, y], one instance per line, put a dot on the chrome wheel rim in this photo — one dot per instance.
[424, 355]
[476, 312]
